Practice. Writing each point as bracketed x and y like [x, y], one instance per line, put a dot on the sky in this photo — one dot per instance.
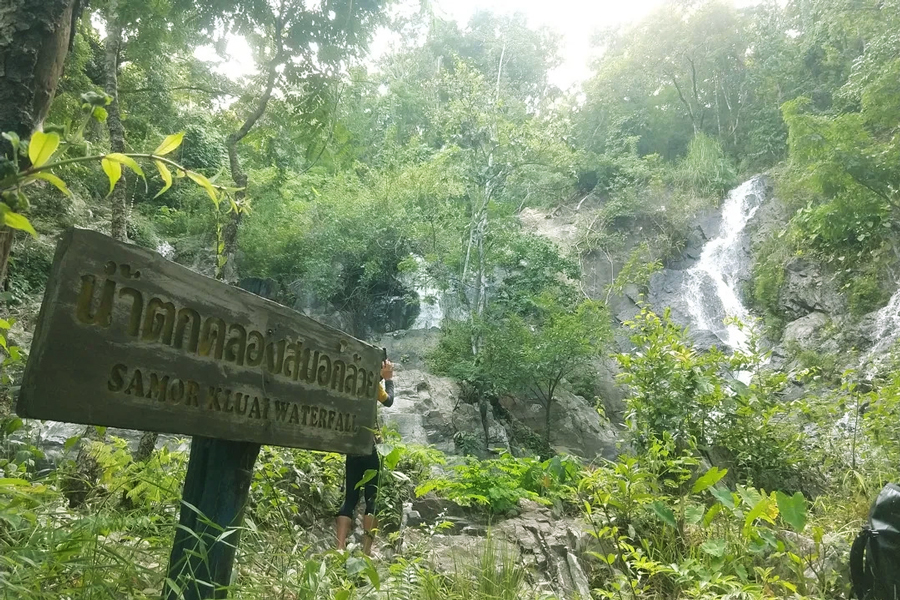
[575, 20]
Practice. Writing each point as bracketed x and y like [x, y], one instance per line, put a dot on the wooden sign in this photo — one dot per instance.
[128, 339]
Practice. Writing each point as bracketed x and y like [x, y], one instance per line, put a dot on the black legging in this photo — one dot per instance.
[356, 468]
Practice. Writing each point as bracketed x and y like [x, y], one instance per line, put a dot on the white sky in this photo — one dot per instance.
[575, 20]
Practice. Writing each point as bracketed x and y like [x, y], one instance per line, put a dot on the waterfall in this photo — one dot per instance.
[430, 312]
[885, 333]
[711, 286]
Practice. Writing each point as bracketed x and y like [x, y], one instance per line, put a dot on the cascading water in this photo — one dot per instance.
[885, 333]
[430, 312]
[711, 286]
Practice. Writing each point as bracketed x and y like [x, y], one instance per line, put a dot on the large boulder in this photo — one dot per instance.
[552, 549]
[807, 289]
[575, 425]
[427, 410]
[806, 333]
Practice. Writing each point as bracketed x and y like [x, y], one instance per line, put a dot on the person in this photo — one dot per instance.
[356, 469]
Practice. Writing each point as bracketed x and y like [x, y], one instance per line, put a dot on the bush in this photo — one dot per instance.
[706, 169]
[497, 485]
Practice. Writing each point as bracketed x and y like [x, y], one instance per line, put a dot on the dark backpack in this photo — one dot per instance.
[875, 555]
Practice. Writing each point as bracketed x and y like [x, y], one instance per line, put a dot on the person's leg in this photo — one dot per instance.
[370, 523]
[351, 499]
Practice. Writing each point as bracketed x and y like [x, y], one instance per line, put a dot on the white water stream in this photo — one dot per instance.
[711, 286]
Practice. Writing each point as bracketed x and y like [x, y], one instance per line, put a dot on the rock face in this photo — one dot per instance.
[552, 548]
[807, 290]
[575, 425]
[427, 410]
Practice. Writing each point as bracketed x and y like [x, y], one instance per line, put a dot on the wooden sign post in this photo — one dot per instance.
[128, 339]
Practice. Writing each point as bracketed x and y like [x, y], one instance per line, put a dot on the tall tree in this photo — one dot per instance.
[34, 41]
[298, 45]
[119, 216]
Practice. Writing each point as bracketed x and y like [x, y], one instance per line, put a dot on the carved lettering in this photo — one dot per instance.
[304, 414]
[212, 338]
[136, 387]
[275, 356]
[324, 377]
[227, 406]
[338, 371]
[117, 378]
[236, 344]
[176, 391]
[255, 349]
[254, 410]
[362, 381]
[137, 307]
[186, 315]
[159, 322]
[350, 381]
[193, 394]
[158, 387]
[212, 398]
[84, 309]
[292, 363]
[281, 410]
[295, 413]
[240, 403]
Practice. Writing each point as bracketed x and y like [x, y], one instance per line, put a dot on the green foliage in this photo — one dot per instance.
[497, 485]
[705, 168]
[694, 398]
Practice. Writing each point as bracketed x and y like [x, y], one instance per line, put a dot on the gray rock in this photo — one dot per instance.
[575, 425]
[551, 548]
[806, 289]
[423, 409]
[806, 332]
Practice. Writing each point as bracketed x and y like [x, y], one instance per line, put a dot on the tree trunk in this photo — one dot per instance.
[119, 212]
[230, 234]
[547, 420]
[34, 41]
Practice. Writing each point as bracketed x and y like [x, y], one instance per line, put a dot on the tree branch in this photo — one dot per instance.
[190, 88]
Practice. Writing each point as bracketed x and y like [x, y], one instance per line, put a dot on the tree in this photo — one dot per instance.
[34, 39]
[298, 46]
[536, 355]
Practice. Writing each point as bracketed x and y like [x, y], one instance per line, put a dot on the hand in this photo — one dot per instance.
[387, 370]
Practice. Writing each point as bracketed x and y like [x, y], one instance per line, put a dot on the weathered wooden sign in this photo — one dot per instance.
[128, 339]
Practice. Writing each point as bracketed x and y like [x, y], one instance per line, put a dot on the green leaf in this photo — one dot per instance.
[392, 459]
[41, 147]
[100, 114]
[664, 513]
[51, 178]
[792, 509]
[166, 177]
[169, 144]
[368, 476]
[128, 162]
[13, 139]
[724, 496]
[693, 513]
[757, 511]
[113, 170]
[14, 220]
[205, 184]
[714, 547]
[708, 480]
